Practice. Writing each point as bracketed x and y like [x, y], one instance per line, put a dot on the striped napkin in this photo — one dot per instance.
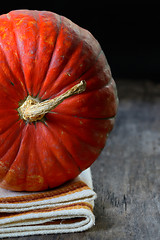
[68, 208]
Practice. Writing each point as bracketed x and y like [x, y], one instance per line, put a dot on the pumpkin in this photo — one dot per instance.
[58, 100]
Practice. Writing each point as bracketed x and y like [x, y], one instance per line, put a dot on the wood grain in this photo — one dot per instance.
[126, 176]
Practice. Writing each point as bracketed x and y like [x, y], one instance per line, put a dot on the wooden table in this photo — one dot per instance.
[126, 176]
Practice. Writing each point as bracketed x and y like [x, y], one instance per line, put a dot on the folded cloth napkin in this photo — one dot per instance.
[68, 208]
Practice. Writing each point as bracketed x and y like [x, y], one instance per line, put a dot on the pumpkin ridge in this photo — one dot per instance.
[37, 50]
[109, 83]
[81, 76]
[10, 87]
[27, 161]
[92, 149]
[12, 119]
[87, 142]
[94, 62]
[75, 116]
[39, 21]
[36, 17]
[49, 64]
[19, 40]
[3, 183]
[20, 141]
[98, 88]
[80, 139]
[62, 72]
[39, 173]
[6, 61]
[77, 79]
[8, 95]
[12, 134]
[22, 85]
[52, 153]
[64, 64]
[41, 166]
[18, 49]
[40, 162]
[65, 148]
[89, 78]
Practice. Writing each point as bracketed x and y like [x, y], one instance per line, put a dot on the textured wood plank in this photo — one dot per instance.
[130, 167]
[126, 176]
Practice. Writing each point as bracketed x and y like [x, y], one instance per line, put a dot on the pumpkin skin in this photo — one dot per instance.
[43, 55]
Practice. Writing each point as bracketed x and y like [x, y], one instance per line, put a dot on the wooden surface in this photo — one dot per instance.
[126, 176]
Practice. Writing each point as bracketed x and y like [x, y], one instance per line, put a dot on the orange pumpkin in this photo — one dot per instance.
[58, 100]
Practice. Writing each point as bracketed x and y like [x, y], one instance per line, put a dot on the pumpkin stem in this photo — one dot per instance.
[32, 110]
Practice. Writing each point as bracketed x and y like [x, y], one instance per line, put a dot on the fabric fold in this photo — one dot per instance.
[68, 208]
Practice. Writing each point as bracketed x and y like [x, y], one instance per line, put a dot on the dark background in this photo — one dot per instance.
[128, 33]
